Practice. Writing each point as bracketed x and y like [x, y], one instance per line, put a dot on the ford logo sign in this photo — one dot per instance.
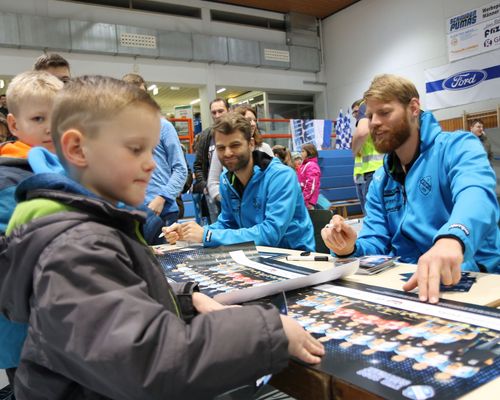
[464, 79]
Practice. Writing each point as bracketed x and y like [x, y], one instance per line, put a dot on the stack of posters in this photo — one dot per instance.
[390, 344]
[236, 274]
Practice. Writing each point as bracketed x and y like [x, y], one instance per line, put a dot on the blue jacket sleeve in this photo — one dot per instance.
[473, 183]
[172, 151]
[281, 197]
[374, 237]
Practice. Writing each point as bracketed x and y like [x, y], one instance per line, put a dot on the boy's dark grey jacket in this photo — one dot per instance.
[102, 318]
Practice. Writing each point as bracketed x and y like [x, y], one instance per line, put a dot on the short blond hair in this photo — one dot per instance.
[134, 79]
[31, 85]
[388, 87]
[87, 101]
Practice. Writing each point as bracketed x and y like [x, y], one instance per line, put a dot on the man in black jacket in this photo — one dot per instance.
[206, 146]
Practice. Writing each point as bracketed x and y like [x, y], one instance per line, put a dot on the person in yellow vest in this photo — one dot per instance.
[366, 159]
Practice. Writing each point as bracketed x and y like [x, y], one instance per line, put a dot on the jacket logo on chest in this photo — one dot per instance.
[424, 185]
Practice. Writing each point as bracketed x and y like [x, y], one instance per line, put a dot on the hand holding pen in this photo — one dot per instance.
[339, 236]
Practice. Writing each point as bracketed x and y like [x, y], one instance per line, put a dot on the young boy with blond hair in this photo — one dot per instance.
[104, 322]
[30, 97]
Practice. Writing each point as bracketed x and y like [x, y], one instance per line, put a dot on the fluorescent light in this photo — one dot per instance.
[175, 88]
[2, 84]
[195, 101]
[250, 99]
[221, 90]
[155, 91]
[151, 87]
[230, 101]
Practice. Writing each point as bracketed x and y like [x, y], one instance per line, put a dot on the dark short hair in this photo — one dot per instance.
[232, 122]
[2, 95]
[310, 150]
[217, 99]
[475, 121]
[134, 79]
[51, 60]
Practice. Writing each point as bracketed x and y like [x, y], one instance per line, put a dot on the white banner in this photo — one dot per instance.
[474, 32]
[463, 82]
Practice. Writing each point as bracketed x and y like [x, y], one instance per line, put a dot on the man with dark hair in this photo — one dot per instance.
[3, 106]
[169, 176]
[54, 64]
[477, 128]
[204, 150]
[261, 198]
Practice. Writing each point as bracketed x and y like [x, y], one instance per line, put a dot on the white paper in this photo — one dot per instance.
[293, 281]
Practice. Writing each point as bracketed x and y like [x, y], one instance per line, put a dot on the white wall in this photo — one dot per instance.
[403, 37]
[203, 75]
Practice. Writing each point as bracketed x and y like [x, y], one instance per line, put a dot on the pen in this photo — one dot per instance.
[309, 258]
[161, 235]
[346, 221]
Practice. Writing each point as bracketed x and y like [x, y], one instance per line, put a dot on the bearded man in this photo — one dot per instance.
[433, 203]
[261, 197]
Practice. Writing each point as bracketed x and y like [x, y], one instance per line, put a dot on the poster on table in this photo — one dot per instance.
[463, 82]
[315, 131]
[474, 32]
[400, 348]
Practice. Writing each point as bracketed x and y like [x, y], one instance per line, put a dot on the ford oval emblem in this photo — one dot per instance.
[464, 79]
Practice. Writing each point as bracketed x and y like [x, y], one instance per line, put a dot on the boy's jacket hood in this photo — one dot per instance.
[28, 241]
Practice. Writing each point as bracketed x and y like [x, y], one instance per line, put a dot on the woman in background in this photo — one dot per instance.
[309, 175]
[283, 154]
[213, 181]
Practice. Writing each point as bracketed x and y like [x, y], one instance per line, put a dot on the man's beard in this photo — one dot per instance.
[241, 162]
[393, 138]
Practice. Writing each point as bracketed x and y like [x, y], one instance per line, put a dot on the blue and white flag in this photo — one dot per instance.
[463, 82]
[343, 131]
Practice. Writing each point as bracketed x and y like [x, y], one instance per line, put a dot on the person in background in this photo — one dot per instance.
[366, 158]
[3, 105]
[30, 100]
[213, 182]
[4, 130]
[477, 128]
[205, 207]
[169, 176]
[197, 128]
[432, 204]
[283, 154]
[103, 320]
[187, 185]
[260, 197]
[297, 161]
[54, 64]
[309, 175]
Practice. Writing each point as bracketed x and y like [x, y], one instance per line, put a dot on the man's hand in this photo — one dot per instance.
[440, 264]
[172, 233]
[192, 232]
[300, 343]
[156, 205]
[338, 236]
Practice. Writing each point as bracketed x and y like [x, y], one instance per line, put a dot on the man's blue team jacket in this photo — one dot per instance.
[449, 191]
[270, 213]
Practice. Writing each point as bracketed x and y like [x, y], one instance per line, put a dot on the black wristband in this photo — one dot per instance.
[185, 298]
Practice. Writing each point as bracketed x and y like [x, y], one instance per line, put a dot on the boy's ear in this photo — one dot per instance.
[72, 142]
[12, 122]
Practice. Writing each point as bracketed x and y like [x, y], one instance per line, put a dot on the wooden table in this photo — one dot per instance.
[307, 382]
